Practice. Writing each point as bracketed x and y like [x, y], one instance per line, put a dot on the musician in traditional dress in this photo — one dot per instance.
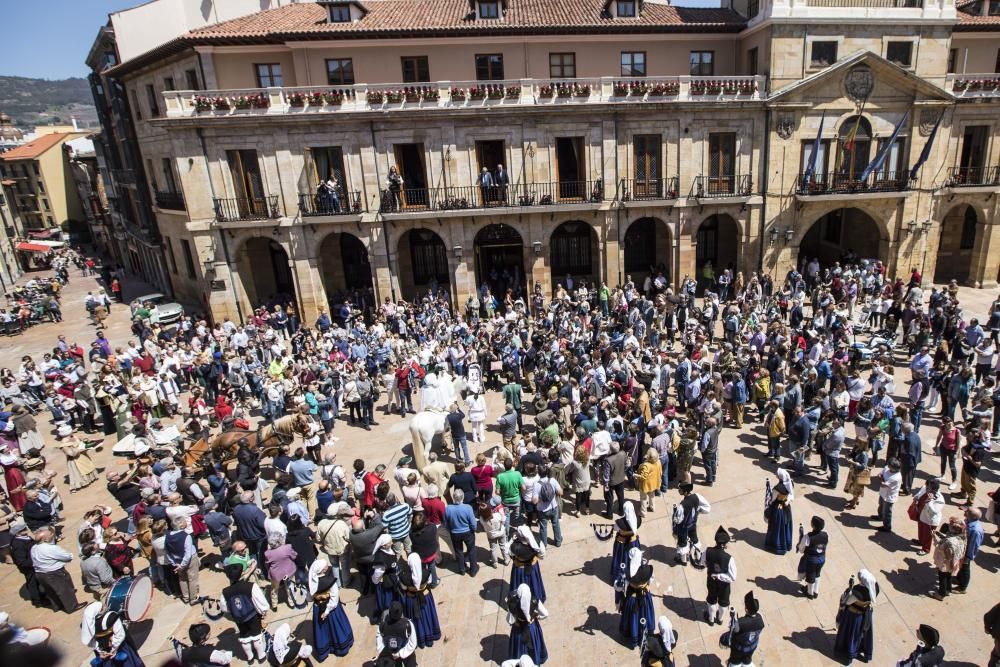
[246, 604]
[685, 523]
[418, 601]
[855, 620]
[812, 546]
[385, 575]
[523, 613]
[635, 601]
[525, 552]
[104, 632]
[928, 653]
[720, 570]
[332, 631]
[200, 653]
[779, 521]
[286, 651]
[396, 638]
[626, 538]
[744, 633]
[659, 650]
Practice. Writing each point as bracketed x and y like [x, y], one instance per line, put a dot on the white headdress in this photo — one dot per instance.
[528, 538]
[279, 643]
[416, 568]
[868, 579]
[634, 560]
[382, 541]
[630, 518]
[786, 479]
[316, 571]
[666, 629]
[87, 629]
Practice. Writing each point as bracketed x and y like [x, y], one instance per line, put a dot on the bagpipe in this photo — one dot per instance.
[644, 637]
[768, 499]
[726, 639]
[846, 595]
[603, 531]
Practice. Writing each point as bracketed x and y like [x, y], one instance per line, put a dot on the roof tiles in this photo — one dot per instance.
[35, 148]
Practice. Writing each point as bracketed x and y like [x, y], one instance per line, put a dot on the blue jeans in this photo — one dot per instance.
[665, 467]
[833, 463]
[512, 516]
[916, 414]
[461, 445]
[885, 512]
[543, 525]
[711, 461]
[405, 401]
[433, 569]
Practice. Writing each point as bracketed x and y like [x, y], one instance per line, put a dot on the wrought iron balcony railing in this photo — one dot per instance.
[173, 201]
[969, 177]
[491, 196]
[243, 208]
[313, 205]
[831, 184]
[732, 185]
[635, 189]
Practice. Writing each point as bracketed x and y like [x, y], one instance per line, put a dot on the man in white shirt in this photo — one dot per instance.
[49, 562]
[890, 481]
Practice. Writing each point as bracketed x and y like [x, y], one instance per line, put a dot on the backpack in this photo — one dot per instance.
[359, 486]
[241, 607]
[545, 492]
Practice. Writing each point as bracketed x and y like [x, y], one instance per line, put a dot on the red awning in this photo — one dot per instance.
[32, 247]
[41, 233]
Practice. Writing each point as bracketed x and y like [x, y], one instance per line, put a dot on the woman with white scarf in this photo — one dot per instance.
[418, 601]
[634, 599]
[332, 632]
[855, 620]
[524, 610]
[525, 553]
[660, 645]
[626, 538]
[385, 574]
[286, 651]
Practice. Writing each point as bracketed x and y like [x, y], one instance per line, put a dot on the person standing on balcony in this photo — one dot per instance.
[485, 183]
[501, 180]
[394, 183]
[329, 197]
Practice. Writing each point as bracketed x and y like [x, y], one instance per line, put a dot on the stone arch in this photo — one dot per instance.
[265, 271]
[575, 250]
[647, 246]
[843, 232]
[817, 212]
[959, 236]
[499, 260]
[345, 269]
[422, 262]
[717, 242]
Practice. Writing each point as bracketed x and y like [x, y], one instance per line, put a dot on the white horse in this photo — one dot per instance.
[436, 396]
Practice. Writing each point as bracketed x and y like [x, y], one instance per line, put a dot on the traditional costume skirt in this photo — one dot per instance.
[332, 634]
[527, 640]
[619, 553]
[528, 573]
[384, 597]
[125, 657]
[419, 607]
[854, 633]
[638, 604]
[779, 530]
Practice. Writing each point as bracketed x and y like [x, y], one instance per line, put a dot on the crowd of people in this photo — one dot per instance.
[618, 390]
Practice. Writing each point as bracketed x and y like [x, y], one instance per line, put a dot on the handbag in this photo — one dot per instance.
[913, 511]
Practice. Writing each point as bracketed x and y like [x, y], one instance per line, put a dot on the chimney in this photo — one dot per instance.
[75, 126]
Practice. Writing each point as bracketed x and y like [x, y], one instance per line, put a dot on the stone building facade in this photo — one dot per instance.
[636, 137]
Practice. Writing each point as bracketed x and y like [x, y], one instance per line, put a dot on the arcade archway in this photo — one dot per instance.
[499, 251]
[717, 244]
[266, 273]
[648, 250]
[846, 234]
[423, 263]
[957, 244]
[345, 270]
[574, 253]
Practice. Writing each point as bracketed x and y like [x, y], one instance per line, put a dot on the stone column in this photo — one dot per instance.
[614, 221]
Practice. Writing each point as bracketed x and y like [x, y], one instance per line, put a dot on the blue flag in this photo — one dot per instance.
[926, 152]
[880, 157]
[817, 143]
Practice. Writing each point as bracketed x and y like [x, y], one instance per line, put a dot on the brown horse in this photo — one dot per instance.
[265, 439]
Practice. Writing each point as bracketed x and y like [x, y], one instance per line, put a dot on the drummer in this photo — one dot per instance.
[104, 632]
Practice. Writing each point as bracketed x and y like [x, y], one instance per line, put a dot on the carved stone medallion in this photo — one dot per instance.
[928, 117]
[859, 83]
[785, 125]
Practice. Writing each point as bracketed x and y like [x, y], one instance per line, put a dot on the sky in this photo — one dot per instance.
[50, 39]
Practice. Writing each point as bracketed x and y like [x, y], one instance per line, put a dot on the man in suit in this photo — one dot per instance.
[485, 183]
[501, 180]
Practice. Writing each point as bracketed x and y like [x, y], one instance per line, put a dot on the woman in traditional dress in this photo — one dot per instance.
[14, 478]
[855, 620]
[635, 601]
[385, 575]
[286, 651]
[626, 538]
[659, 650]
[81, 468]
[332, 631]
[779, 521]
[105, 634]
[523, 613]
[859, 475]
[525, 552]
[418, 601]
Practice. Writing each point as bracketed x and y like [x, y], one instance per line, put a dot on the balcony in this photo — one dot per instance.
[123, 176]
[973, 177]
[875, 4]
[242, 208]
[309, 100]
[494, 196]
[313, 205]
[712, 187]
[632, 189]
[973, 86]
[171, 201]
[843, 184]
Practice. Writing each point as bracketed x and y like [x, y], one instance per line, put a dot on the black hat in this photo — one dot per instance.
[928, 635]
[752, 605]
[781, 488]
[818, 523]
[685, 487]
[233, 572]
[198, 632]
[722, 536]
[395, 612]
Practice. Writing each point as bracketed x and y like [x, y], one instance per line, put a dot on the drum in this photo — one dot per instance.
[36, 636]
[130, 597]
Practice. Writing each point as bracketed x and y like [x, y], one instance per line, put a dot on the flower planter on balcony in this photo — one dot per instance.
[375, 97]
[297, 100]
[513, 93]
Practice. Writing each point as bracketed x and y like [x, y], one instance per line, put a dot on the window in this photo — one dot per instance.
[329, 163]
[340, 72]
[854, 145]
[633, 63]
[45, 204]
[996, 67]
[893, 167]
[154, 108]
[135, 105]
[268, 75]
[170, 254]
[168, 175]
[489, 67]
[994, 8]
[36, 169]
[953, 60]
[415, 69]
[752, 61]
[168, 83]
[152, 175]
[626, 8]
[646, 153]
[721, 162]
[429, 258]
[823, 53]
[701, 63]
[191, 79]
[41, 187]
[562, 65]
[489, 9]
[819, 169]
[49, 220]
[188, 258]
[899, 53]
[340, 14]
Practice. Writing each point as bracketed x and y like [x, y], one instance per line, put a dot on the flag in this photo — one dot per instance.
[880, 157]
[926, 152]
[810, 172]
[849, 143]
[768, 498]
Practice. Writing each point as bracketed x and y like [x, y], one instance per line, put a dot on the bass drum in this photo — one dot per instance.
[131, 597]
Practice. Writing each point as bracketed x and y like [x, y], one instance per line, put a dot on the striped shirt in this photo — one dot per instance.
[397, 520]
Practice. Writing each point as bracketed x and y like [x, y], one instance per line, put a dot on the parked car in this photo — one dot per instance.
[170, 311]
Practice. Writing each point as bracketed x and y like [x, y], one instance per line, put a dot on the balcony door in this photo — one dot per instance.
[248, 182]
[721, 162]
[570, 167]
[410, 163]
[646, 149]
[973, 158]
[855, 139]
[328, 162]
[489, 156]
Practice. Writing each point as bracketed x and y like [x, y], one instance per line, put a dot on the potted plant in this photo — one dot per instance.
[697, 87]
[220, 104]
[513, 92]
[429, 94]
[394, 96]
[333, 97]
[477, 93]
[458, 94]
[748, 87]
[375, 97]
[959, 85]
[260, 101]
[202, 104]
[564, 90]
[242, 103]
[545, 91]
[581, 90]
[296, 100]
[713, 87]
[622, 89]
[495, 92]
[730, 87]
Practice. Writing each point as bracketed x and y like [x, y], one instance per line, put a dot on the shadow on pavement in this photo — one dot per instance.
[682, 607]
[494, 648]
[811, 639]
[605, 622]
[780, 584]
[832, 503]
[915, 578]
[705, 660]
